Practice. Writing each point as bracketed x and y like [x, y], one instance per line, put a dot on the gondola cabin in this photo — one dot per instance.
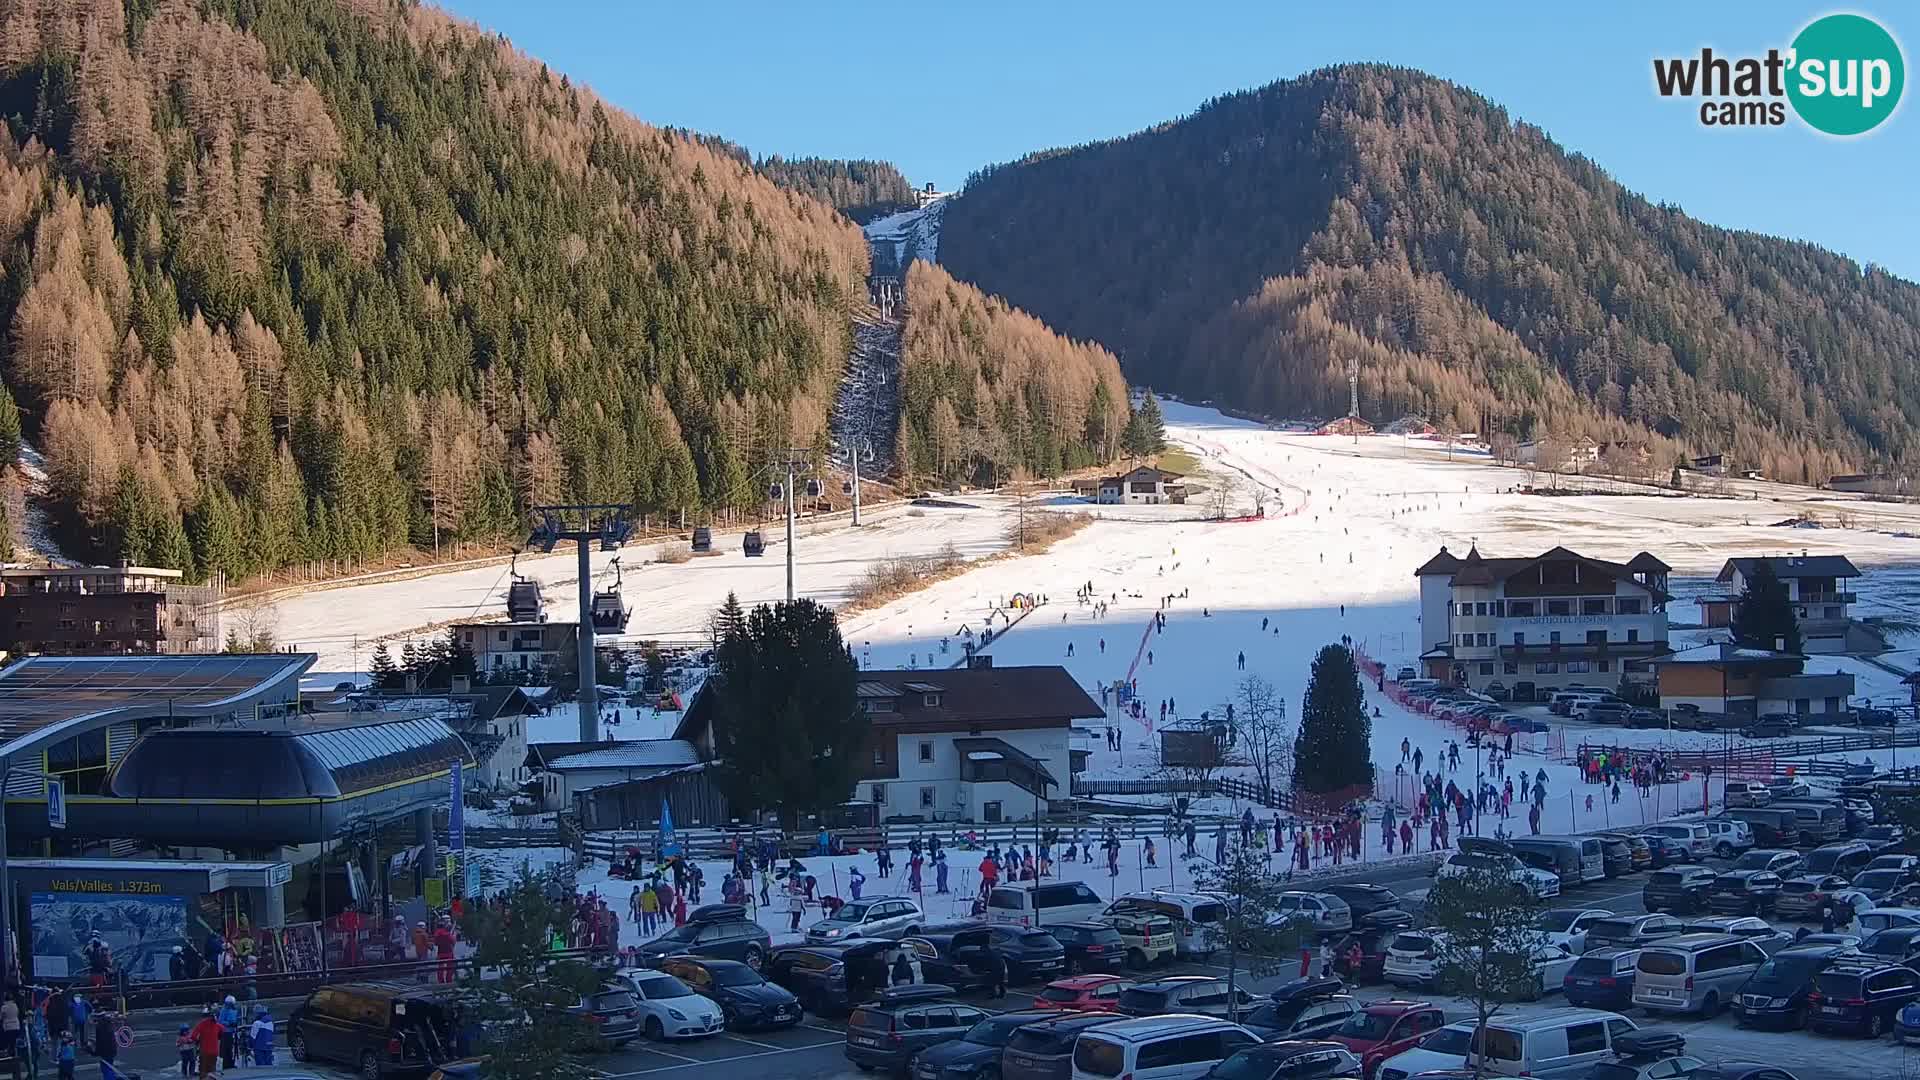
[702, 540]
[609, 613]
[523, 600]
[753, 545]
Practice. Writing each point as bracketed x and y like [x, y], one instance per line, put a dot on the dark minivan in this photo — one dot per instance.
[1771, 828]
[1776, 995]
[1602, 979]
[978, 1051]
[377, 1028]
[1044, 1050]
[1861, 994]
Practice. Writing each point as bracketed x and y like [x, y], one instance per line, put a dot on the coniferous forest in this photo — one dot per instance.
[1473, 271]
[286, 281]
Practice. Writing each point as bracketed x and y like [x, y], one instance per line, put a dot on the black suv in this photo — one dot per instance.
[978, 1051]
[1365, 899]
[375, 1028]
[1776, 995]
[1861, 995]
[1745, 892]
[1682, 889]
[891, 1031]
[831, 978]
[1091, 946]
[722, 931]
[1044, 1050]
[745, 996]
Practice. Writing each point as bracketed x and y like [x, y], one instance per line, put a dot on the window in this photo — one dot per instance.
[503, 637]
[932, 701]
[1546, 667]
[1519, 638]
[1633, 637]
[1510, 668]
[1483, 639]
[1465, 640]
[1559, 607]
[1596, 637]
[1593, 605]
[879, 793]
[1576, 667]
[1586, 1038]
[926, 798]
[1520, 609]
[1463, 609]
[1479, 608]
[1486, 668]
[926, 751]
[879, 755]
[1628, 605]
[1603, 666]
[1553, 637]
[1499, 609]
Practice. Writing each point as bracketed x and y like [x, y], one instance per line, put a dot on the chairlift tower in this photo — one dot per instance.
[797, 462]
[609, 525]
[859, 449]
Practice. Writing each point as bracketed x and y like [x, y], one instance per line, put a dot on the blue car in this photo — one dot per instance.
[1602, 979]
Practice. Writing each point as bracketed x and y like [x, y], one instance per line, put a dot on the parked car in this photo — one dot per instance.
[1740, 1070]
[1804, 895]
[1748, 793]
[1607, 712]
[1730, 836]
[1615, 856]
[1325, 912]
[1031, 954]
[875, 917]
[1542, 883]
[1846, 858]
[668, 1008]
[1685, 888]
[1884, 886]
[1382, 1029]
[1786, 787]
[1648, 1055]
[976, 1053]
[1372, 942]
[722, 931]
[1567, 927]
[1777, 860]
[1174, 1047]
[1693, 972]
[1771, 727]
[1872, 717]
[1436, 1054]
[1364, 899]
[1201, 995]
[1637, 849]
[1899, 945]
[1300, 1018]
[1147, 938]
[1745, 892]
[1861, 995]
[368, 1027]
[832, 978]
[1883, 838]
[1090, 946]
[1043, 1050]
[1550, 966]
[1083, 993]
[1647, 718]
[1666, 852]
[902, 1022]
[745, 997]
[1413, 958]
[1629, 931]
[1289, 1059]
[1750, 927]
[1887, 918]
[1693, 834]
[1776, 995]
[1906, 864]
[1030, 904]
[1602, 979]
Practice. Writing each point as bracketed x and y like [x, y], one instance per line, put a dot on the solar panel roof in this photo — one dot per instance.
[43, 691]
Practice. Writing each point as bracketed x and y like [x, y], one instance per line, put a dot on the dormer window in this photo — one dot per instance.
[932, 701]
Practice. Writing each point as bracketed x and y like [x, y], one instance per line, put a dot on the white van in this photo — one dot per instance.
[1175, 1047]
[1555, 1042]
[1693, 972]
[1044, 904]
[1194, 916]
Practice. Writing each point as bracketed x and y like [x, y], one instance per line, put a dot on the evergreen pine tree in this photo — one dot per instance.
[409, 662]
[727, 620]
[384, 675]
[1766, 615]
[9, 428]
[1334, 748]
[1133, 439]
[1153, 427]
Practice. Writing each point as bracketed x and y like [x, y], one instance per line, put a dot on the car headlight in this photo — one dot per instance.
[1778, 1003]
[676, 1014]
[833, 933]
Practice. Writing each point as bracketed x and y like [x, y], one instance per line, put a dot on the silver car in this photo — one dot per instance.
[874, 917]
[1327, 912]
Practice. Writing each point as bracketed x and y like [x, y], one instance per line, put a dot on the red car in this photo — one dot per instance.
[1082, 993]
[1386, 1028]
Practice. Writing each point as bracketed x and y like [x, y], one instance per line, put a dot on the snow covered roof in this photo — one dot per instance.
[1793, 566]
[636, 754]
[1724, 652]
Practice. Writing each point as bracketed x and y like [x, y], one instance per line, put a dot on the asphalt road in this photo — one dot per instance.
[813, 1050]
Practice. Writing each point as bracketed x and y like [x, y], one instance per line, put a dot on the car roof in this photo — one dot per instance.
[1686, 942]
[1083, 924]
[1143, 1028]
[1396, 1006]
[1086, 982]
[1547, 1018]
[1073, 1021]
[1171, 981]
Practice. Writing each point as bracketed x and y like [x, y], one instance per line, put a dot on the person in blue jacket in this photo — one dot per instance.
[228, 1014]
[261, 1035]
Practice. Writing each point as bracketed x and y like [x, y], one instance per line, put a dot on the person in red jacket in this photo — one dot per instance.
[443, 948]
[989, 874]
[206, 1036]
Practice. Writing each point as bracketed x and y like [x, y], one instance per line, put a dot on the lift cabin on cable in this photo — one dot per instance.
[524, 602]
[609, 612]
[753, 545]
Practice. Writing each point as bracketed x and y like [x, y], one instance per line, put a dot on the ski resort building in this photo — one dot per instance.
[106, 610]
[1145, 484]
[1541, 622]
[1724, 679]
[1816, 586]
[522, 645]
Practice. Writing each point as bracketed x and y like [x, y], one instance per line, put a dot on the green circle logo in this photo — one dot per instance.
[1847, 74]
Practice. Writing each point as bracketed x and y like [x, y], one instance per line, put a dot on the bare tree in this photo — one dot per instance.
[1190, 757]
[1220, 497]
[252, 628]
[1261, 732]
[1501, 447]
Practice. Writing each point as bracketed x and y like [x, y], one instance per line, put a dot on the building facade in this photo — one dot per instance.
[1724, 679]
[1550, 620]
[1143, 485]
[1816, 586]
[107, 610]
[522, 645]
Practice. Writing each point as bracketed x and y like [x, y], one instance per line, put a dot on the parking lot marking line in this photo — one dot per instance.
[764, 1046]
[719, 1061]
[829, 1030]
[670, 1054]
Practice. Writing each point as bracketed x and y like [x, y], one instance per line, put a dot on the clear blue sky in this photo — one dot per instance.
[941, 89]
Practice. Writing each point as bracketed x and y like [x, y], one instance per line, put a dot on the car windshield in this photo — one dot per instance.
[1558, 920]
[1060, 993]
[1786, 970]
[663, 987]
[1878, 879]
[852, 912]
[679, 935]
[1366, 1025]
[1613, 928]
[1448, 1040]
[995, 1031]
[1822, 861]
[728, 975]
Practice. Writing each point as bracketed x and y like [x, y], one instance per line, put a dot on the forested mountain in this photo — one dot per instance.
[295, 279]
[861, 189]
[1476, 272]
[986, 389]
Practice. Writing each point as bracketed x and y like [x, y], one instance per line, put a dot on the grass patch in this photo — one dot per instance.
[1041, 529]
[1176, 460]
[890, 579]
[675, 552]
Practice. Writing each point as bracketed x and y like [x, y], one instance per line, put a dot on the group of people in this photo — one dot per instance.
[223, 1039]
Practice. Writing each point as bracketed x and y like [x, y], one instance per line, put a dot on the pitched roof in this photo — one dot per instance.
[1793, 566]
[1443, 563]
[1478, 570]
[1724, 652]
[1042, 692]
[632, 754]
